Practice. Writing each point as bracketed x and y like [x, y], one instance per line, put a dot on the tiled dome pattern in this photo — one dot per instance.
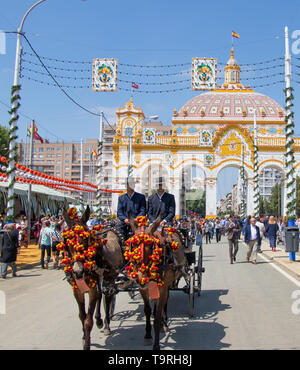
[232, 105]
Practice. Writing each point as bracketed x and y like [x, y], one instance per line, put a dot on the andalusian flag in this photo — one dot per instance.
[234, 34]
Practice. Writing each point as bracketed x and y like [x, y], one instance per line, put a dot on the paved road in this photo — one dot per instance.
[242, 306]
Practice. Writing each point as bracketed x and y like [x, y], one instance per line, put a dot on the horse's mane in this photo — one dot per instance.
[181, 236]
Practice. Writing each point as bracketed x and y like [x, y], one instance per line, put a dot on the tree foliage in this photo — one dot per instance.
[4, 141]
[197, 205]
[273, 205]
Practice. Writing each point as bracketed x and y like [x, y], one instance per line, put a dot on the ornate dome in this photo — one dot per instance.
[230, 106]
[232, 101]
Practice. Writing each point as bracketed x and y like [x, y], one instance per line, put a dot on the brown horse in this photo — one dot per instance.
[79, 279]
[112, 264]
[171, 269]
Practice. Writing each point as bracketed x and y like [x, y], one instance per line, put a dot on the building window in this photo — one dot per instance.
[41, 149]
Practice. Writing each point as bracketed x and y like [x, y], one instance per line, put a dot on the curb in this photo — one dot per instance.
[293, 267]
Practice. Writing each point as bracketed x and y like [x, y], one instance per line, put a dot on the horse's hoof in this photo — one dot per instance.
[147, 341]
[99, 324]
[85, 345]
[107, 332]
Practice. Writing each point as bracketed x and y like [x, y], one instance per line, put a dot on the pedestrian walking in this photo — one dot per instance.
[271, 232]
[56, 239]
[232, 230]
[261, 227]
[10, 249]
[218, 228]
[45, 240]
[252, 237]
[206, 231]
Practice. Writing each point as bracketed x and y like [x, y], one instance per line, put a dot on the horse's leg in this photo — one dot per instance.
[147, 311]
[161, 302]
[81, 305]
[107, 304]
[99, 321]
[89, 322]
[165, 316]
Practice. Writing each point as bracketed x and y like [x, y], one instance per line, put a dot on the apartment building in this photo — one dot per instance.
[63, 159]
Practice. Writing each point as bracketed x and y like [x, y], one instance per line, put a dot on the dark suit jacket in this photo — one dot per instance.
[136, 205]
[166, 206]
[233, 235]
[248, 234]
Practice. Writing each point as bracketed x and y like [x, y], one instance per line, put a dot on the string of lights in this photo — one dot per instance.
[146, 83]
[150, 66]
[188, 71]
[129, 89]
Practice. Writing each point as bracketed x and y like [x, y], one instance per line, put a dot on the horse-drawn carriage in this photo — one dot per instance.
[153, 261]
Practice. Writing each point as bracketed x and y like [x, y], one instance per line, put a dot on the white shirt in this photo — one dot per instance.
[160, 196]
[253, 232]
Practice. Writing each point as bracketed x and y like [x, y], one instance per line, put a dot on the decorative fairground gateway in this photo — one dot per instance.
[208, 133]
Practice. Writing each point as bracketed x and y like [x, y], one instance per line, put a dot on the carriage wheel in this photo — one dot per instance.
[191, 291]
[200, 269]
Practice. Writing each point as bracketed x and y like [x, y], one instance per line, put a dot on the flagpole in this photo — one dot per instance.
[99, 167]
[29, 185]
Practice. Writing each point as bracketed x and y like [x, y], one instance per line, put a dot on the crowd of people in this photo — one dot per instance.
[250, 230]
[46, 232]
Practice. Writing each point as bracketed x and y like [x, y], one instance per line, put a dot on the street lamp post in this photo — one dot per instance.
[14, 118]
[129, 134]
[279, 182]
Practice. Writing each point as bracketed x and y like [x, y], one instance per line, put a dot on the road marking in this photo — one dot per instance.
[284, 273]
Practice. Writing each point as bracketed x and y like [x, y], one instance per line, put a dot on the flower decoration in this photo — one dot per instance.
[73, 241]
[72, 212]
[142, 221]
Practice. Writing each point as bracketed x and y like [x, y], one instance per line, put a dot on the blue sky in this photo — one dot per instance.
[156, 32]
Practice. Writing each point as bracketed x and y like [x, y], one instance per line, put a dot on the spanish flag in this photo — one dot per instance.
[234, 34]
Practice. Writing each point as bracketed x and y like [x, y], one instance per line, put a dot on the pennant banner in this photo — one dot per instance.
[104, 75]
[204, 73]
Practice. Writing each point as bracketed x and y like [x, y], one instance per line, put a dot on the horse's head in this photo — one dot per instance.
[144, 251]
[79, 242]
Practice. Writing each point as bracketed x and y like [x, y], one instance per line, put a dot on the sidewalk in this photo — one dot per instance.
[28, 256]
[281, 258]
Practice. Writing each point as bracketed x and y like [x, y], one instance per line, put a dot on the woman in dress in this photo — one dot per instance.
[272, 229]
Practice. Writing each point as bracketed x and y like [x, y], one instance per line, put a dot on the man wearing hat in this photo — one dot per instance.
[161, 204]
[130, 204]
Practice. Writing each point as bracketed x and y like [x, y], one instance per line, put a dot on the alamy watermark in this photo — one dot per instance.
[296, 44]
[2, 42]
[2, 303]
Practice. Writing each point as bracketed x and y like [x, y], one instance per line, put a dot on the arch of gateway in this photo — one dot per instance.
[210, 132]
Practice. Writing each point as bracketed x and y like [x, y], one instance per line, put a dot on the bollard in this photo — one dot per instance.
[292, 254]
